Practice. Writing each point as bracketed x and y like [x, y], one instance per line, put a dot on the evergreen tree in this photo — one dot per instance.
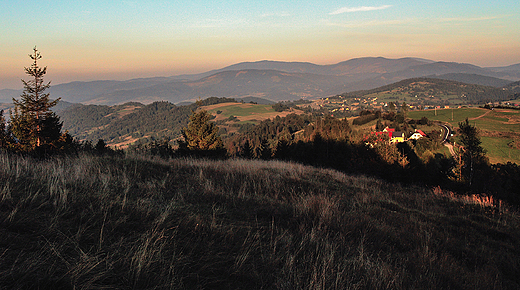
[263, 151]
[201, 134]
[391, 107]
[246, 151]
[33, 124]
[5, 135]
[404, 109]
[472, 153]
[101, 146]
[379, 125]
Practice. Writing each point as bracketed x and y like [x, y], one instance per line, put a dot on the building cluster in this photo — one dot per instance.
[392, 136]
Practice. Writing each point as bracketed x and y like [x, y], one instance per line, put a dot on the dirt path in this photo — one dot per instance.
[450, 147]
[486, 113]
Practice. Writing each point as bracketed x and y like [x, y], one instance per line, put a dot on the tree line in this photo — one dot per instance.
[319, 140]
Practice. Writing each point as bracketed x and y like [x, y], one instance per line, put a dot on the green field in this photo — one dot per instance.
[409, 99]
[246, 113]
[452, 116]
[503, 123]
[241, 110]
[499, 151]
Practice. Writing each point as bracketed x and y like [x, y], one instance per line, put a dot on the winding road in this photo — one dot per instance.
[445, 138]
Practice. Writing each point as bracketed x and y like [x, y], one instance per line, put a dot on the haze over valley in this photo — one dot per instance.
[276, 81]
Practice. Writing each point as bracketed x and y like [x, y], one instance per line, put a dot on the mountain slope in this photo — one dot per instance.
[514, 87]
[357, 66]
[424, 88]
[273, 80]
[267, 84]
[423, 70]
[473, 79]
[127, 123]
[357, 74]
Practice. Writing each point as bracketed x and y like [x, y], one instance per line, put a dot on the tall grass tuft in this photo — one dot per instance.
[91, 222]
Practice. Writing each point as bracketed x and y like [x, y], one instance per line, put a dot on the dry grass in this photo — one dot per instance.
[484, 201]
[133, 223]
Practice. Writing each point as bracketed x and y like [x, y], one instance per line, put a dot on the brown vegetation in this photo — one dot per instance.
[134, 223]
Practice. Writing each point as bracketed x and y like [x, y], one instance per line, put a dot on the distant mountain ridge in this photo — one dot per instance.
[274, 80]
[474, 79]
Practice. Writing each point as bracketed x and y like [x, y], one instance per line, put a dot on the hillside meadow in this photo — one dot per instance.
[499, 129]
[246, 112]
[135, 222]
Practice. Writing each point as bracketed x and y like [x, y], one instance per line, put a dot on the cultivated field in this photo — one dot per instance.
[499, 129]
[246, 112]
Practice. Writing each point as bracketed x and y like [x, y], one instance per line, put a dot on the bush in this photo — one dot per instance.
[279, 107]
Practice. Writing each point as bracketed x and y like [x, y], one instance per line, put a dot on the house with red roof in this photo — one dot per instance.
[418, 134]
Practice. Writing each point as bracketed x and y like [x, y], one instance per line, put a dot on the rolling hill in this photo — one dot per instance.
[272, 80]
[125, 124]
[121, 125]
[421, 90]
[474, 79]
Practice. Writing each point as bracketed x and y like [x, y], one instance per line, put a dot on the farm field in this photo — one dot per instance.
[500, 129]
[399, 97]
[245, 112]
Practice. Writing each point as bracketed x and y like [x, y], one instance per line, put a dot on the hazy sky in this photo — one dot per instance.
[113, 39]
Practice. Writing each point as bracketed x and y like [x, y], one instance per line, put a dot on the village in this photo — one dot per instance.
[391, 136]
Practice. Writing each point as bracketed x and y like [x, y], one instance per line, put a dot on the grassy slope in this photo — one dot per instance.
[498, 127]
[100, 222]
[430, 90]
[246, 112]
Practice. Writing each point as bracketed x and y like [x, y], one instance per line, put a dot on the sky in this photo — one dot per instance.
[123, 39]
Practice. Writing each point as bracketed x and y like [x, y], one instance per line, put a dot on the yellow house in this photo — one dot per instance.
[397, 137]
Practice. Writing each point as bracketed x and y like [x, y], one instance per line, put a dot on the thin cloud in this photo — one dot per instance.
[359, 9]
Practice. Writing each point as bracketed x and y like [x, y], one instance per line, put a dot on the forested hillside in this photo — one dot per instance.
[425, 88]
[473, 79]
[127, 123]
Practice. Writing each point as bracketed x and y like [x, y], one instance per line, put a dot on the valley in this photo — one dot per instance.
[446, 92]
[275, 81]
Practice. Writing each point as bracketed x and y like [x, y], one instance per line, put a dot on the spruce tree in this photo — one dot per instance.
[201, 134]
[404, 109]
[472, 153]
[5, 135]
[33, 124]
[246, 151]
[391, 107]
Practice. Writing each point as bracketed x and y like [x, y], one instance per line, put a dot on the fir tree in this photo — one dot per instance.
[472, 153]
[246, 151]
[391, 107]
[379, 125]
[201, 134]
[5, 135]
[404, 109]
[33, 124]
